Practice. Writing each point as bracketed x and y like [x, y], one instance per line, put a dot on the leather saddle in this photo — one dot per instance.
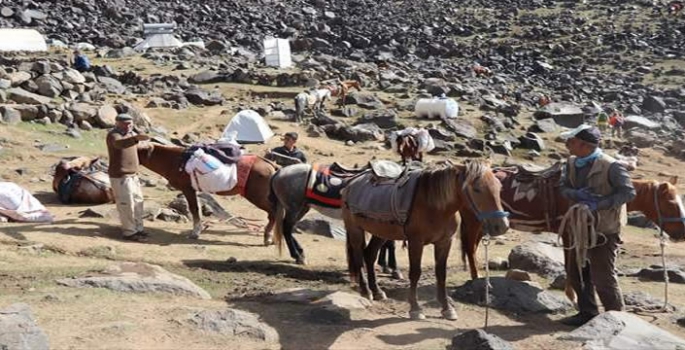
[381, 169]
[532, 172]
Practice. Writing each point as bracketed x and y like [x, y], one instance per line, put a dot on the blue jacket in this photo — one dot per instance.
[81, 63]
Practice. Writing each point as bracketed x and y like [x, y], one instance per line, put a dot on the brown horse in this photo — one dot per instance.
[82, 180]
[254, 175]
[524, 194]
[341, 89]
[434, 198]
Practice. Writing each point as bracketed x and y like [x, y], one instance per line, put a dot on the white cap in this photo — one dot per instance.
[573, 132]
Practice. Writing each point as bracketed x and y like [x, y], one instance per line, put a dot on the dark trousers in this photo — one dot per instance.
[598, 275]
[388, 249]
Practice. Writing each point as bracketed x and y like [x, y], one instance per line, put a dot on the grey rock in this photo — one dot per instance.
[657, 274]
[10, 115]
[620, 330]
[19, 331]
[234, 323]
[644, 301]
[513, 296]
[385, 118]
[49, 86]
[654, 104]
[20, 95]
[138, 278]
[112, 85]
[537, 257]
[323, 226]
[478, 339]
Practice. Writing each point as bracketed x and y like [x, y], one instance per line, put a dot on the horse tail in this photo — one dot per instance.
[278, 227]
[279, 215]
[351, 262]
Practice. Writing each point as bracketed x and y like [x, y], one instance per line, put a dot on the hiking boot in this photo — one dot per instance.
[576, 320]
[142, 233]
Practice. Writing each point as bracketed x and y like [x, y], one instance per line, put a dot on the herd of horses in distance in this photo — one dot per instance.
[487, 199]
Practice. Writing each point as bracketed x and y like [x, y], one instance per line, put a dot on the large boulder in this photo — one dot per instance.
[565, 114]
[513, 296]
[478, 339]
[9, 115]
[234, 323]
[620, 331]
[49, 86]
[83, 111]
[105, 116]
[18, 330]
[537, 257]
[654, 104]
[132, 277]
[20, 95]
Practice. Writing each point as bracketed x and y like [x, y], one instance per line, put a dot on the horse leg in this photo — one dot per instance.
[370, 255]
[355, 258]
[442, 252]
[415, 255]
[471, 231]
[296, 251]
[194, 209]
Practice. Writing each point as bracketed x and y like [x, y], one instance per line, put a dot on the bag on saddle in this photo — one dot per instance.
[209, 175]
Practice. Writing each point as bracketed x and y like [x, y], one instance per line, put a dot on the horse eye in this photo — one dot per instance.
[476, 189]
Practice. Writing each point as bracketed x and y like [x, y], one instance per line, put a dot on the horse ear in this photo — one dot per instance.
[673, 180]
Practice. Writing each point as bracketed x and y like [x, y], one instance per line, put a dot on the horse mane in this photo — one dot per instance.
[440, 180]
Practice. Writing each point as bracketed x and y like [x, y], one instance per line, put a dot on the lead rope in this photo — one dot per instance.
[662, 246]
[583, 235]
[486, 244]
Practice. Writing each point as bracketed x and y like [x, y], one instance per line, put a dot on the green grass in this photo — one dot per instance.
[91, 142]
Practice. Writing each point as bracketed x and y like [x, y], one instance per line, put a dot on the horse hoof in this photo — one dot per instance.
[417, 315]
[268, 242]
[380, 295]
[450, 314]
[397, 275]
[194, 236]
[301, 261]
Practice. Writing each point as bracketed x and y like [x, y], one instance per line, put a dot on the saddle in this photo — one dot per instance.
[381, 170]
[534, 171]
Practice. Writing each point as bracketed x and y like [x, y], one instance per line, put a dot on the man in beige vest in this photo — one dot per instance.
[122, 147]
[604, 185]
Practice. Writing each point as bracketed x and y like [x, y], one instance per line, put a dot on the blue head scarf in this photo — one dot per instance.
[581, 162]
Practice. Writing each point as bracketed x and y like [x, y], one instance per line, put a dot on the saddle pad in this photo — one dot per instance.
[245, 164]
[323, 188]
[386, 201]
[218, 178]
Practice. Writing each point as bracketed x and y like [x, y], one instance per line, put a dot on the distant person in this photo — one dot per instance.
[602, 121]
[544, 100]
[289, 148]
[616, 120]
[122, 147]
[81, 62]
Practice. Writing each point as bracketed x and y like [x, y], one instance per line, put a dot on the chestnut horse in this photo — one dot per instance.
[658, 201]
[341, 89]
[166, 160]
[441, 191]
[82, 180]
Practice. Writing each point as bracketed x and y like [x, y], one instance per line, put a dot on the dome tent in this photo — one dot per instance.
[248, 127]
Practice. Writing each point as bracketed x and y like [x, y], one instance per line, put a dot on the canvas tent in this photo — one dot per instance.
[248, 127]
[21, 40]
[158, 35]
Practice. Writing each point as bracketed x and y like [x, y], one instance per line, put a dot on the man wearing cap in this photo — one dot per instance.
[597, 180]
[289, 149]
[122, 148]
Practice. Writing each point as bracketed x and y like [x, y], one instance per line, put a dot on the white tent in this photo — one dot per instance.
[21, 40]
[158, 35]
[248, 127]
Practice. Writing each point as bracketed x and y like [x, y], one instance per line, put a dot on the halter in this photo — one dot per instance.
[493, 214]
[660, 218]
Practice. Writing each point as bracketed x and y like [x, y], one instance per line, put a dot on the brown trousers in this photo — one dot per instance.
[599, 275]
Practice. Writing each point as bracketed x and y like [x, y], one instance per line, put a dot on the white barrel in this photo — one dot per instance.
[437, 107]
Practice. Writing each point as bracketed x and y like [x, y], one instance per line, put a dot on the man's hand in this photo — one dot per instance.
[142, 137]
[592, 205]
[585, 195]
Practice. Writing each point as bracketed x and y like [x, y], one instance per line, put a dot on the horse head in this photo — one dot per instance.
[482, 190]
[670, 210]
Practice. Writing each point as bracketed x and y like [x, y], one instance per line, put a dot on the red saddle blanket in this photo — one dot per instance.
[323, 187]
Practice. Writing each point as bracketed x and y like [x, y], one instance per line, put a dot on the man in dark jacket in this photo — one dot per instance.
[289, 148]
[598, 181]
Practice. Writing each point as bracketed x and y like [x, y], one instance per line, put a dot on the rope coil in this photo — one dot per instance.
[486, 244]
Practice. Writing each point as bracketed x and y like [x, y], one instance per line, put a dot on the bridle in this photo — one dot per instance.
[660, 218]
[480, 215]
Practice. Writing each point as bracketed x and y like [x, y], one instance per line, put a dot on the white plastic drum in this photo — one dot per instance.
[438, 107]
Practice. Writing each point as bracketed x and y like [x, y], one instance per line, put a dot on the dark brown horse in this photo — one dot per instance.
[535, 205]
[341, 89]
[439, 193]
[254, 175]
[408, 148]
[82, 180]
